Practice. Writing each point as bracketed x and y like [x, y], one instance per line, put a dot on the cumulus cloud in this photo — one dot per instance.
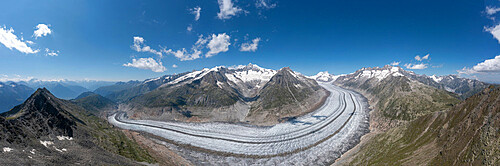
[41, 30]
[10, 40]
[189, 28]
[49, 52]
[495, 31]
[416, 66]
[183, 55]
[146, 63]
[218, 43]
[491, 10]
[250, 46]
[395, 63]
[139, 46]
[196, 12]
[227, 9]
[265, 4]
[488, 66]
[215, 44]
[418, 58]
[174, 66]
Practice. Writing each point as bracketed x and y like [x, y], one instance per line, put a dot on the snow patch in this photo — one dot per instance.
[436, 79]
[60, 150]
[32, 151]
[7, 149]
[219, 84]
[60, 138]
[46, 143]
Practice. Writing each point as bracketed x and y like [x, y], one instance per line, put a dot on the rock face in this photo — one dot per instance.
[45, 129]
[237, 94]
[286, 95]
[465, 135]
[397, 97]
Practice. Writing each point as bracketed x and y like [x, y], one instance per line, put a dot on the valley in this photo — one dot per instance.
[328, 131]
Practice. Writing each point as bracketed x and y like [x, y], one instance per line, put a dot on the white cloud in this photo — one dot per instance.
[416, 66]
[183, 55]
[15, 78]
[139, 46]
[9, 40]
[189, 28]
[395, 63]
[495, 31]
[492, 10]
[418, 58]
[201, 41]
[227, 10]
[49, 52]
[41, 30]
[488, 66]
[215, 43]
[218, 43]
[250, 46]
[174, 66]
[264, 4]
[196, 12]
[147, 63]
[29, 42]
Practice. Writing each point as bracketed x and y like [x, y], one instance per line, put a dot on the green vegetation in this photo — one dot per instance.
[468, 134]
[115, 141]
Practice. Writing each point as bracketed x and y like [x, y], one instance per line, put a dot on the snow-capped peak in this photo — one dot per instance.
[436, 79]
[250, 72]
[380, 73]
[323, 76]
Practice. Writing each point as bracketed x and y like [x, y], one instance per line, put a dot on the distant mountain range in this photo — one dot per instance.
[463, 87]
[12, 94]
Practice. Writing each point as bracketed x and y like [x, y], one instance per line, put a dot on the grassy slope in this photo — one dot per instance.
[399, 100]
[467, 134]
[104, 134]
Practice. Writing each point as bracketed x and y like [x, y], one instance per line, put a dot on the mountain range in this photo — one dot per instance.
[414, 119]
[239, 94]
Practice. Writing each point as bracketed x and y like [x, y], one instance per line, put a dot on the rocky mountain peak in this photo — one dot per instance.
[323, 76]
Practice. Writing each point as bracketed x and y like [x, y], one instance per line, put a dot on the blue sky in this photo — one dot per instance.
[95, 39]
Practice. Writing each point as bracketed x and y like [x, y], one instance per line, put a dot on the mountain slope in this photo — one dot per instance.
[465, 135]
[95, 103]
[286, 95]
[117, 87]
[228, 94]
[396, 98]
[45, 129]
[12, 94]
